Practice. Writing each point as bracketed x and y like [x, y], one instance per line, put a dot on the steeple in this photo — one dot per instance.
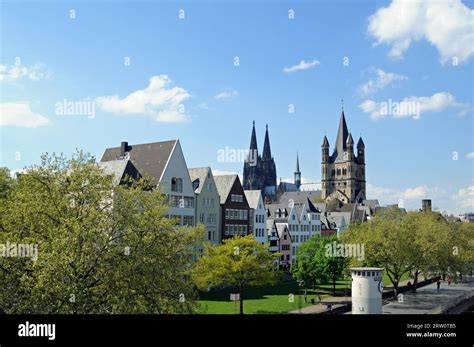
[342, 134]
[360, 143]
[297, 172]
[267, 153]
[253, 141]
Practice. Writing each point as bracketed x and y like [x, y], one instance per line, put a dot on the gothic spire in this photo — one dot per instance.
[297, 163]
[267, 153]
[360, 144]
[253, 141]
[342, 134]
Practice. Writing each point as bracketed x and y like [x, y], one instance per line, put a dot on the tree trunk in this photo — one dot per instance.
[395, 289]
[415, 281]
[241, 299]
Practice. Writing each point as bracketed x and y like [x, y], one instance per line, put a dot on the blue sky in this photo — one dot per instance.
[419, 57]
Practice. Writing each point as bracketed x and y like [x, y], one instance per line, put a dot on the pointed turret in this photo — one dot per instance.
[350, 140]
[325, 150]
[342, 133]
[325, 142]
[267, 153]
[361, 151]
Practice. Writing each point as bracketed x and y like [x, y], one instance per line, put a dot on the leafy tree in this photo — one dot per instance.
[239, 262]
[416, 242]
[102, 248]
[316, 265]
[386, 239]
[6, 182]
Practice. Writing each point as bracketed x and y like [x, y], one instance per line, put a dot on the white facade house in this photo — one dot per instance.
[258, 215]
[164, 164]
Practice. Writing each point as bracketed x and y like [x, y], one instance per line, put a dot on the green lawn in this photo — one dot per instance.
[274, 299]
[267, 300]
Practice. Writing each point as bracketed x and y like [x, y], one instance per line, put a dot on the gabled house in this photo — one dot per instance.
[285, 243]
[207, 202]
[258, 215]
[235, 210]
[164, 164]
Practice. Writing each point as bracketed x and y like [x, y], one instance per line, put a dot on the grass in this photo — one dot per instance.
[274, 299]
[266, 300]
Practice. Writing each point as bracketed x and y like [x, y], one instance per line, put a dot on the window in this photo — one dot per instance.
[201, 218]
[188, 220]
[284, 237]
[208, 187]
[338, 171]
[177, 185]
[188, 202]
[236, 198]
[174, 200]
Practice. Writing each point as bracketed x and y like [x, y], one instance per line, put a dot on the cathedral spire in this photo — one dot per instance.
[253, 141]
[342, 134]
[267, 153]
[297, 162]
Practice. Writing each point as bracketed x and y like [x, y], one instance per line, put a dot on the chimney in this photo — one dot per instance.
[426, 205]
[123, 148]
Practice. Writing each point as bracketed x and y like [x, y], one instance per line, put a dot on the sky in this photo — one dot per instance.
[91, 74]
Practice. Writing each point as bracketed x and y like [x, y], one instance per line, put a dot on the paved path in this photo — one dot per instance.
[334, 301]
[428, 300]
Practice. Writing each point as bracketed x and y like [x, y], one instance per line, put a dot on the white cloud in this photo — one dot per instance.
[203, 106]
[464, 199]
[447, 25]
[35, 72]
[157, 100]
[20, 114]
[413, 106]
[470, 156]
[302, 65]
[382, 80]
[393, 195]
[231, 93]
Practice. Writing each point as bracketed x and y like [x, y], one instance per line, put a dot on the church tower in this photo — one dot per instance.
[343, 173]
[252, 179]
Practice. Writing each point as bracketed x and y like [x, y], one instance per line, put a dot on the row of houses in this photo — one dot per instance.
[196, 196]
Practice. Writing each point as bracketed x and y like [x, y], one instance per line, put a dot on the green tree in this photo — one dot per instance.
[386, 239]
[102, 248]
[240, 262]
[317, 263]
